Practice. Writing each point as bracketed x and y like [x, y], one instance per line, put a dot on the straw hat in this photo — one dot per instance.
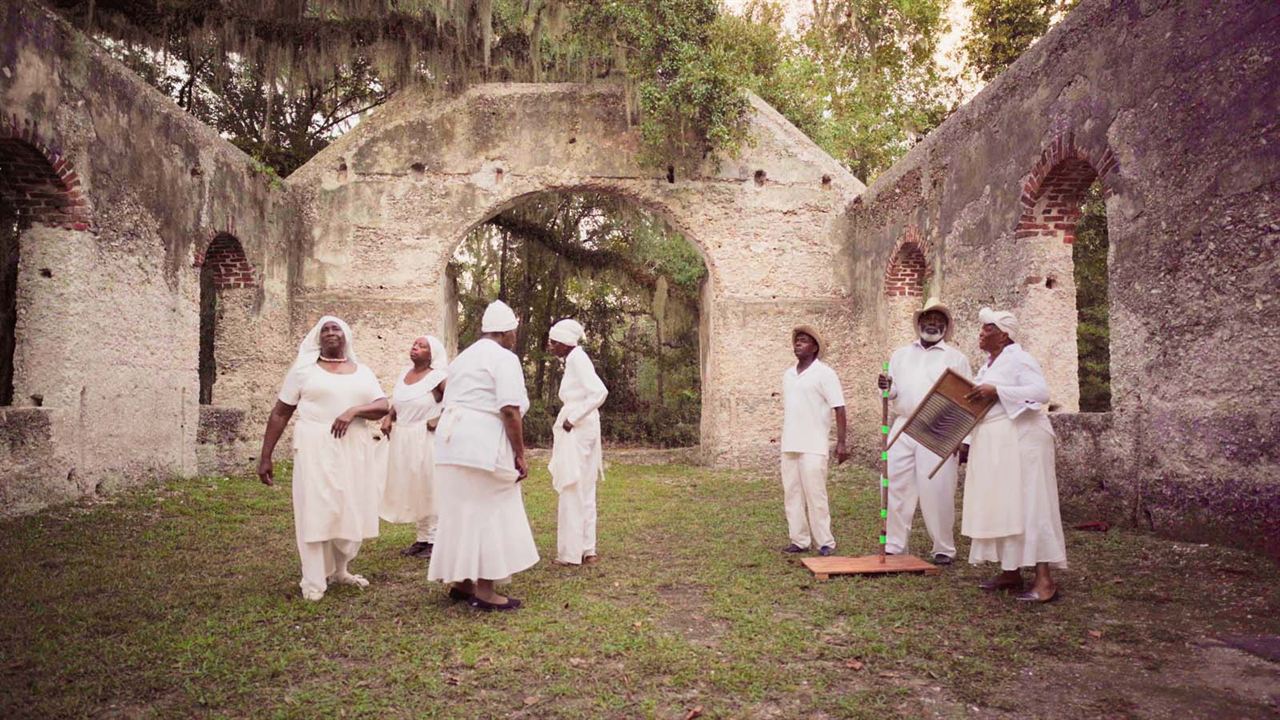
[934, 305]
[811, 332]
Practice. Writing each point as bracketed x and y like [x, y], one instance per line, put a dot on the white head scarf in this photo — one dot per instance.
[567, 332]
[439, 365]
[1002, 319]
[498, 317]
[309, 348]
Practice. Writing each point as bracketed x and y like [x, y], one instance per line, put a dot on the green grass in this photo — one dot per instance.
[182, 600]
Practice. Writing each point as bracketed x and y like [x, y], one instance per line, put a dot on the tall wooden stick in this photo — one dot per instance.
[884, 469]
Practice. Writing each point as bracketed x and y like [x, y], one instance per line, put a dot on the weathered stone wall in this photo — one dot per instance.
[1173, 105]
[107, 330]
[389, 203]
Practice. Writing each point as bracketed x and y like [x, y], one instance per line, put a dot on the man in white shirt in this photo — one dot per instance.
[810, 393]
[576, 457]
[913, 369]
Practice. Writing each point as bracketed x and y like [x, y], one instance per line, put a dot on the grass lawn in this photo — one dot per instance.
[182, 600]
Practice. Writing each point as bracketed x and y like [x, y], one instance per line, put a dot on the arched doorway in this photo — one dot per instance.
[632, 280]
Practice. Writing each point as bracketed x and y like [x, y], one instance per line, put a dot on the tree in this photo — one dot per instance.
[1000, 30]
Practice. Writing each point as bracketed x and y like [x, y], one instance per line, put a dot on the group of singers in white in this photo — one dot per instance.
[1010, 506]
[454, 455]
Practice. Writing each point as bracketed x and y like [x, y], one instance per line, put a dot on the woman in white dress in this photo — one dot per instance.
[336, 472]
[415, 406]
[1011, 488]
[484, 534]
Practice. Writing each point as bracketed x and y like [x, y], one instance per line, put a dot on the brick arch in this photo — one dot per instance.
[38, 181]
[225, 257]
[909, 266]
[1054, 190]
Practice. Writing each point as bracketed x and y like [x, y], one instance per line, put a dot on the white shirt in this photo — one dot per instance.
[808, 399]
[581, 389]
[416, 403]
[483, 379]
[1018, 380]
[321, 396]
[915, 368]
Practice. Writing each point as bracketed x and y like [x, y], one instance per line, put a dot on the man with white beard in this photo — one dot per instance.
[576, 456]
[913, 369]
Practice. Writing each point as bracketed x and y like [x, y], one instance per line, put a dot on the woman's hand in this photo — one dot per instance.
[339, 427]
[568, 426]
[264, 471]
[385, 425]
[985, 393]
[522, 468]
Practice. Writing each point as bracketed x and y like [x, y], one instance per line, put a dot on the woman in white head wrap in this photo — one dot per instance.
[577, 460]
[337, 476]
[415, 406]
[484, 534]
[1011, 488]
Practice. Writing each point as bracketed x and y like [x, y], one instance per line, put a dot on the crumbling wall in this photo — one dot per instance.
[389, 203]
[1172, 105]
[107, 296]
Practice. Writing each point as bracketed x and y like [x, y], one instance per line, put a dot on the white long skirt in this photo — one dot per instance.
[336, 483]
[408, 494]
[484, 533]
[1041, 539]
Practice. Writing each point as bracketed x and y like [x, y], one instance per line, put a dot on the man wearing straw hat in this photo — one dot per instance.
[810, 392]
[913, 369]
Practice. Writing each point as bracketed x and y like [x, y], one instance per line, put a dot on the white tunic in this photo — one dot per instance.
[484, 532]
[336, 481]
[1011, 489]
[407, 496]
[577, 453]
[807, 401]
[914, 369]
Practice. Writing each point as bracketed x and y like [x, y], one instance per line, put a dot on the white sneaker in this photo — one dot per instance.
[313, 595]
[349, 579]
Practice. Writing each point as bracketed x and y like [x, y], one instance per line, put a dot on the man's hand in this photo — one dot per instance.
[986, 393]
[385, 425]
[963, 452]
[265, 472]
[568, 426]
[339, 427]
[884, 381]
[522, 468]
[842, 453]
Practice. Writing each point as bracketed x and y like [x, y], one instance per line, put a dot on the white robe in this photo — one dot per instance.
[408, 495]
[484, 532]
[577, 460]
[1011, 489]
[914, 369]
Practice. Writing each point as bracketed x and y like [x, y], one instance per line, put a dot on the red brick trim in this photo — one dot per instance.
[231, 267]
[909, 266]
[38, 180]
[1053, 192]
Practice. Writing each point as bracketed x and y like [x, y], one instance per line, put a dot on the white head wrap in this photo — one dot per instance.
[498, 317]
[309, 348]
[439, 356]
[1002, 319]
[439, 371]
[567, 331]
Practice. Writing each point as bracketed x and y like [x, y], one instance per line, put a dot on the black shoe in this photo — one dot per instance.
[418, 549]
[941, 559]
[826, 551]
[478, 604]
[458, 595]
[793, 549]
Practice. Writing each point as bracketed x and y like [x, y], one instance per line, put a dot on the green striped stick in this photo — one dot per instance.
[884, 468]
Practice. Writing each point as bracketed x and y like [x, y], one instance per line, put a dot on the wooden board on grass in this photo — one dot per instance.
[824, 567]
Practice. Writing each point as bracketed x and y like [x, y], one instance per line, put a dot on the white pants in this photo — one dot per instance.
[427, 529]
[322, 560]
[576, 521]
[909, 466]
[804, 494]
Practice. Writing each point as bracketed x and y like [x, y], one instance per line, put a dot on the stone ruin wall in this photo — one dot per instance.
[125, 191]
[1173, 104]
[389, 202]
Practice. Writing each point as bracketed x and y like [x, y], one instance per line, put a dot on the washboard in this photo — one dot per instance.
[944, 417]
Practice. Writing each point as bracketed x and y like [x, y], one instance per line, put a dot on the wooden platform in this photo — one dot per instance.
[824, 567]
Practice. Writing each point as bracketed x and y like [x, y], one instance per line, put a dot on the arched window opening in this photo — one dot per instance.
[223, 267]
[1093, 309]
[626, 275]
